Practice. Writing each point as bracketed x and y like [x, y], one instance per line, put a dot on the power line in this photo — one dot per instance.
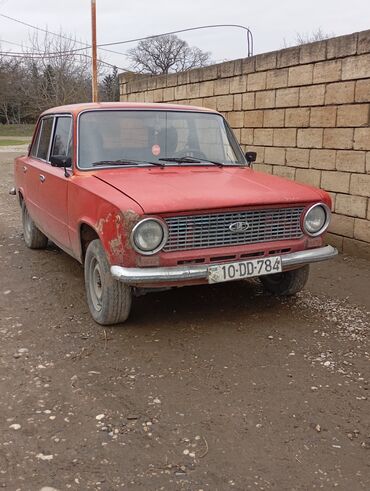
[13, 54]
[40, 56]
[211, 26]
[43, 54]
[56, 34]
[11, 42]
[56, 54]
[250, 42]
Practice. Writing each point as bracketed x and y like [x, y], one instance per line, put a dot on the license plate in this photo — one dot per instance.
[244, 269]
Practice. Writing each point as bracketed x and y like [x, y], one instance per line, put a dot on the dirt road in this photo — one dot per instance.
[208, 388]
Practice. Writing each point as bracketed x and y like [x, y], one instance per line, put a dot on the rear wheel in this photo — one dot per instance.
[109, 300]
[287, 283]
[33, 237]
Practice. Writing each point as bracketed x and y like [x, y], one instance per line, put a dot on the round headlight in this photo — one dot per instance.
[316, 220]
[149, 236]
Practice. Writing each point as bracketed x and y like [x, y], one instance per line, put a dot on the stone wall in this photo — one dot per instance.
[304, 109]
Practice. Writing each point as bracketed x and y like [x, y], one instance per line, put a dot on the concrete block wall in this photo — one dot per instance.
[305, 110]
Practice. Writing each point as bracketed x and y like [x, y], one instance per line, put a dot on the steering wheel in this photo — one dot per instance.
[192, 153]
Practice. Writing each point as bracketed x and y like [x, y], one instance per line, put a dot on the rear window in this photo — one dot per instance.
[40, 147]
[35, 143]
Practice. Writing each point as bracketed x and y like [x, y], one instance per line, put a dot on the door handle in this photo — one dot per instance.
[24, 169]
[42, 178]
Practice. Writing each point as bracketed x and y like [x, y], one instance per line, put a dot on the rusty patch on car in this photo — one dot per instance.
[130, 218]
[124, 223]
[101, 224]
[116, 248]
[115, 230]
[116, 244]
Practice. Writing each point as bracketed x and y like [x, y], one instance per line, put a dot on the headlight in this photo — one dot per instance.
[317, 219]
[149, 236]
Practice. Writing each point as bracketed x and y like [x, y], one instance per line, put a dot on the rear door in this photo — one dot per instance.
[53, 183]
[34, 166]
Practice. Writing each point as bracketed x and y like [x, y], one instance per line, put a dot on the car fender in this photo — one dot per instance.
[106, 211]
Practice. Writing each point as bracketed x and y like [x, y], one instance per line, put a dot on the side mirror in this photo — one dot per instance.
[60, 161]
[251, 157]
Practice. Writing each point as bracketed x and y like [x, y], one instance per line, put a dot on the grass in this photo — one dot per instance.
[6, 143]
[16, 129]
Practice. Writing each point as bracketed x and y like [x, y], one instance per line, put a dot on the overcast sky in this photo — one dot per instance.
[271, 21]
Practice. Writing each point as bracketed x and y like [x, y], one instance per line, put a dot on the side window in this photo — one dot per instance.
[44, 139]
[35, 144]
[62, 143]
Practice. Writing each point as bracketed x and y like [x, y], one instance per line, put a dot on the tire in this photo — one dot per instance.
[287, 283]
[33, 237]
[109, 300]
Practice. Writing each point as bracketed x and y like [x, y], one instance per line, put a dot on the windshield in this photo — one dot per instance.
[152, 136]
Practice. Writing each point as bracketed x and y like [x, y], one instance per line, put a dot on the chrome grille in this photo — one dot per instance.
[212, 230]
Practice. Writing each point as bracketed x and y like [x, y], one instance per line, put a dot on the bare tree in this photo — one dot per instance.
[51, 71]
[11, 101]
[166, 54]
[58, 76]
[317, 35]
[308, 37]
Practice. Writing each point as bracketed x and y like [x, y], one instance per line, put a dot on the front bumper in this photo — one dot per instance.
[137, 276]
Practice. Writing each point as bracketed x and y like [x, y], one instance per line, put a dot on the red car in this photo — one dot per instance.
[153, 196]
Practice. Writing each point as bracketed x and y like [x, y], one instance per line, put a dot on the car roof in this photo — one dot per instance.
[86, 106]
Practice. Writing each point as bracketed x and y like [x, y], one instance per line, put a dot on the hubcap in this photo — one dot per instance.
[95, 285]
[27, 223]
[276, 278]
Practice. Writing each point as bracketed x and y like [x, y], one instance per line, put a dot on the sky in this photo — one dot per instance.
[273, 23]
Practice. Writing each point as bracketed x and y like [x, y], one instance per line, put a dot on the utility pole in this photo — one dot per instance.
[94, 79]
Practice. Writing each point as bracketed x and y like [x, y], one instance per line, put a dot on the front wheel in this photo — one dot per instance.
[109, 300]
[287, 283]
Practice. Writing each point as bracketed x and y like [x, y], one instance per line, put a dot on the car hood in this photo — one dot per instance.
[175, 189]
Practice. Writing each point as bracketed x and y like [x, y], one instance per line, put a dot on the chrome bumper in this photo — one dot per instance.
[137, 276]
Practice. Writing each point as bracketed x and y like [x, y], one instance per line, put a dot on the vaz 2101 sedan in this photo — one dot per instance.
[153, 196]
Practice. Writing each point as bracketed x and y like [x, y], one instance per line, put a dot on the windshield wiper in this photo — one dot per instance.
[125, 161]
[191, 160]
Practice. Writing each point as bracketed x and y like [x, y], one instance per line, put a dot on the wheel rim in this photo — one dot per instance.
[276, 278]
[95, 285]
[27, 224]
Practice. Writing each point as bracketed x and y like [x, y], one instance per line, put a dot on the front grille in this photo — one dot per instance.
[213, 229]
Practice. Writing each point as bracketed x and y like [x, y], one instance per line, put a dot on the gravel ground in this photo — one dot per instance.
[204, 388]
